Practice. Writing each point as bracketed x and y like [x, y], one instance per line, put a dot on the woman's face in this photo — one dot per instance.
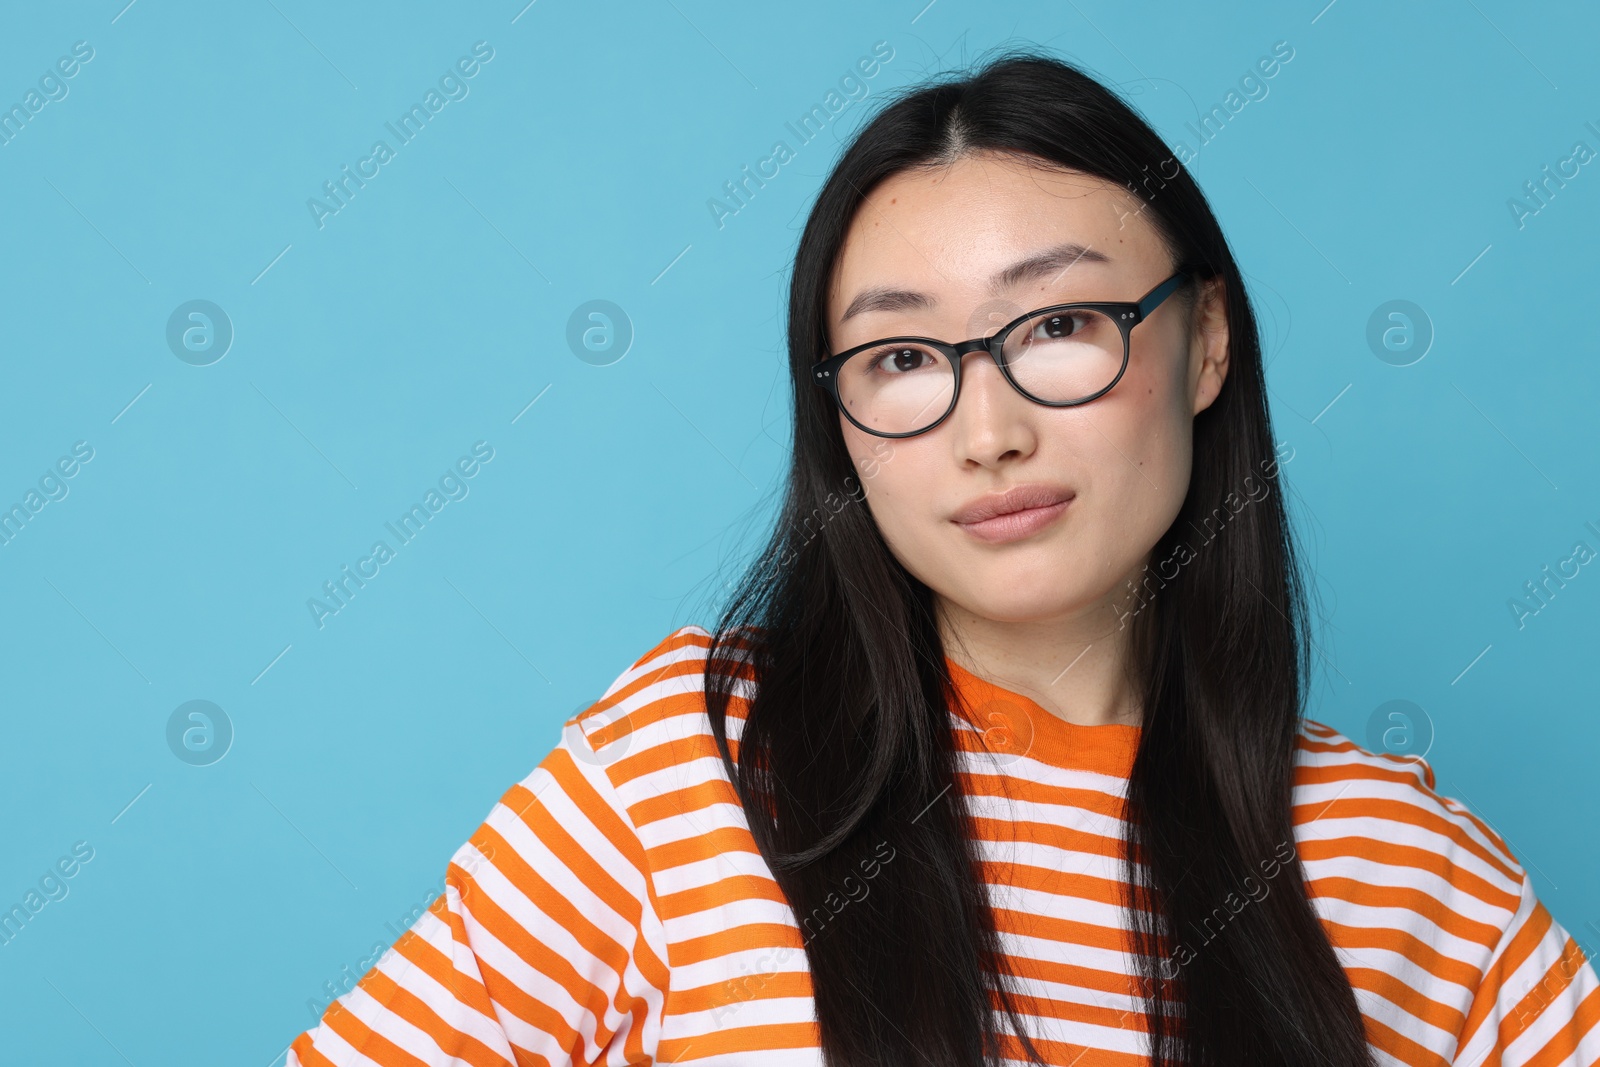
[949, 234]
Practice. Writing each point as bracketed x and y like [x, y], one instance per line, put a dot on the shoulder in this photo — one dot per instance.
[1378, 839]
[624, 760]
[1427, 904]
[666, 683]
[680, 652]
[652, 718]
[1324, 754]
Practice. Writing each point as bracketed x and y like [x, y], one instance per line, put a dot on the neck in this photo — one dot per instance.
[1072, 665]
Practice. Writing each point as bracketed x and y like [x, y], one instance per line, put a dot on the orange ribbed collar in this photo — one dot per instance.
[1012, 726]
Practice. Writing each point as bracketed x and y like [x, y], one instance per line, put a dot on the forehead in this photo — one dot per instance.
[946, 231]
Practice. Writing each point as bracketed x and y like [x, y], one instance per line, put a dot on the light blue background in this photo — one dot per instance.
[430, 311]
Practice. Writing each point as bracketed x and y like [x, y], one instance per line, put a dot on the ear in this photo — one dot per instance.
[1208, 345]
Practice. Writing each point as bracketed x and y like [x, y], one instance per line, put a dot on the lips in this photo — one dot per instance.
[1015, 515]
[1020, 498]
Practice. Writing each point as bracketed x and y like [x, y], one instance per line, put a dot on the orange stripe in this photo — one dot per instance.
[531, 884]
[1337, 773]
[467, 988]
[674, 752]
[539, 957]
[1060, 883]
[407, 1005]
[562, 912]
[1424, 955]
[741, 938]
[595, 808]
[682, 801]
[1054, 835]
[307, 1053]
[1347, 746]
[567, 916]
[1089, 1014]
[645, 715]
[1070, 931]
[1392, 811]
[680, 638]
[707, 845]
[1483, 828]
[1394, 854]
[1382, 1036]
[612, 826]
[1407, 899]
[1413, 856]
[1499, 974]
[367, 1041]
[1563, 1045]
[706, 897]
[1042, 793]
[536, 1014]
[504, 993]
[765, 1038]
[1545, 992]
[1074, 1055]
[1416, 1004]
[1089, 979]
[769, 985]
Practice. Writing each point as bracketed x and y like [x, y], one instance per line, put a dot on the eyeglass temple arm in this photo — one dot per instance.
[1154, 297]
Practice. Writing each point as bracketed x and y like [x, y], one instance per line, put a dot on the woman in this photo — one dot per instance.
[997, 751]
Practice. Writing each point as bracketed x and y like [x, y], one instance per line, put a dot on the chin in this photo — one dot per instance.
[1024, 601]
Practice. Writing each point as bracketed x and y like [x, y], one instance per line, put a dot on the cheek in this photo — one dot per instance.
[1149, 414]
[1156, 372]
[878, 461]
[1136, 445]
[895, 476]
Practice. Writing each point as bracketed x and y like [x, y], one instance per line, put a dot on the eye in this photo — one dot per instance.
[900, 359]
[1061, 325]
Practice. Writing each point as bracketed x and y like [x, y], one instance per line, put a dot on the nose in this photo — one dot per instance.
[991, 419]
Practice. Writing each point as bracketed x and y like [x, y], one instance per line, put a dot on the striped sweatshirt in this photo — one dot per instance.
[613, 907]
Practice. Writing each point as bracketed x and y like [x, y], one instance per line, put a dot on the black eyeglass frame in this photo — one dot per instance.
[1126, 314]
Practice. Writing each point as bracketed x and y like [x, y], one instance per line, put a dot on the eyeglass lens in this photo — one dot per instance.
[906, 386]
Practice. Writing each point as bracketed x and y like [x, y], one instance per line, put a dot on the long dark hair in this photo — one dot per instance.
[845, 757]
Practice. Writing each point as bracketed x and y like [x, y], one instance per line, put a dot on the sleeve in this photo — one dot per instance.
[1538, 1002]
[544, 948]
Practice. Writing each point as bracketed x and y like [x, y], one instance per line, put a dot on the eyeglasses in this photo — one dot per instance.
[1059, 356]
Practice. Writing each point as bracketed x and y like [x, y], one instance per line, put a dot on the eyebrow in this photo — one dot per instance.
[1050, 261]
